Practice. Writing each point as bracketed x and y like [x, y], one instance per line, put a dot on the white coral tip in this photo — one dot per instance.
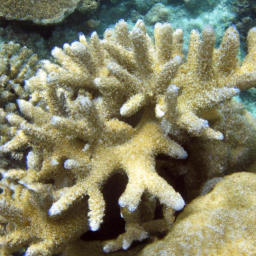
[54, 162]
[126, 244]
[172, 89]
[10, 118]
[82, 38]
[97, 81]
[66, 46]
[179, 204]
[182, 154]
[236, 90]
[178, 59]
[107, 248]
[85, 101]
[218, 136]
[159, 111]
[70, 164]
[55, 51]
[94, 225]
[76, 46]
[55, 120]
[54, 210]
[131, 207]
[125, 109]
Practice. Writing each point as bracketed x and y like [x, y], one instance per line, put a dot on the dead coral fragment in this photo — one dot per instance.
[43, 12]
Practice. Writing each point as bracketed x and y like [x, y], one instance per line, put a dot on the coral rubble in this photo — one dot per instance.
[43, 12]
[112, 106]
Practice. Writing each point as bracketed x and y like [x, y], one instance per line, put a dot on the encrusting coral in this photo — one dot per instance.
[108, 106]
[44, 12]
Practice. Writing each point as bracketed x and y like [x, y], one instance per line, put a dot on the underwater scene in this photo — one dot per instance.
[127, 128]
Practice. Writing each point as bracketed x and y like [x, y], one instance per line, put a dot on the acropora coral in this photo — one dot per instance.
[113, 106]
[16, 65]
[43, 12]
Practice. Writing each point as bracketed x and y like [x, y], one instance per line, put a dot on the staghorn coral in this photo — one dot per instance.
[235, 153]
[219, 223]
[17, 64]
[43, 12]
[24, 216]
[110, 106]
[207, 78]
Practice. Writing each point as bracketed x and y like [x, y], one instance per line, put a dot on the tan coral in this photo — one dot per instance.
[114, 105]
[73, 133]
[88, 5]
[16, 65]
[43, 12]
[26, 210]
[219, 223]
[143, 68]
[141, 224]
[208, 77]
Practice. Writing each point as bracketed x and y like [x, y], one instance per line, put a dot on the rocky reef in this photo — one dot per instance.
[129, 105]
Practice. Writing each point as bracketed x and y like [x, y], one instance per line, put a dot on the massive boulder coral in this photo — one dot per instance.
[219, 223]
[114, 105]
[43, 12]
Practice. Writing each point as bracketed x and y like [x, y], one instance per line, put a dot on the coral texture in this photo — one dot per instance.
[43, 12]
[17, 64]
[219, 223]
[108, 106]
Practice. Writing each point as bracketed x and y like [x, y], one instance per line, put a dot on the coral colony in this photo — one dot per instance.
[114, 105]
